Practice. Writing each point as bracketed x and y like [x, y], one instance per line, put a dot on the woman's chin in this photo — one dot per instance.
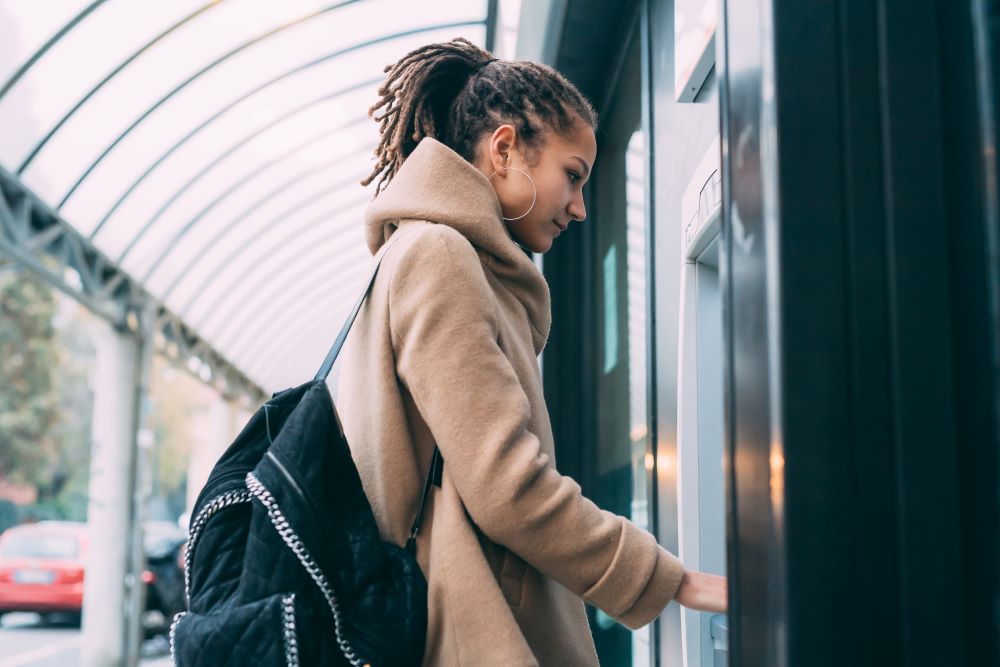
[542, 246]
[534, 244]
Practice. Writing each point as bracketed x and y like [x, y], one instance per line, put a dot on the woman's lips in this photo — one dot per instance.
[561, 228]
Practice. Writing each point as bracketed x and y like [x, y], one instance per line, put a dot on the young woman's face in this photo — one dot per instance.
[558, 168]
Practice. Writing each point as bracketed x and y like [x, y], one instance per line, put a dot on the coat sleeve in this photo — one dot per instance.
[443, 319]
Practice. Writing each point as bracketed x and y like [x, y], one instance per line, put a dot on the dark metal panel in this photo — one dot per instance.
[590, 43]
[755, 571]
[863, 387]
[876, 632]
[571, 351]
[920, 360]
[969, 112]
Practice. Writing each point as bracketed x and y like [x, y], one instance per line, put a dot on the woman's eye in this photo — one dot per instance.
[573, 177]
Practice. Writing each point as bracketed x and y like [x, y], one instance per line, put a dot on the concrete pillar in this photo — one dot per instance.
[212, 431]
[109, 508]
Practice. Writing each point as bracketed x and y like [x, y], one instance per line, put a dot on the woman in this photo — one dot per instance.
[480, 159]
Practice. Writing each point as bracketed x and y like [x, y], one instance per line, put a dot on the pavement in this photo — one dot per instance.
[25, 641]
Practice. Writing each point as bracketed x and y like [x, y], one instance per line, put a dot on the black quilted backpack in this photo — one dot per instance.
[285, 564]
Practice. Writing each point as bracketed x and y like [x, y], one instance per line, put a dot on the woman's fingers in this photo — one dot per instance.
[703, 592]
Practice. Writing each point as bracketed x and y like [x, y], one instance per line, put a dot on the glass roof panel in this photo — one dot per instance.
[209, 249]
[26, 26]
[156, 198]
[215, 149]
[249, 256]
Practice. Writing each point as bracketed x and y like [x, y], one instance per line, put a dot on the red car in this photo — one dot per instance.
[41, 567]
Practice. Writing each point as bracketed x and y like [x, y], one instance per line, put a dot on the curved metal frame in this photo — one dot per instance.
[323, 259]
[256, 290]
[271, 82]
[233, 148]
[308, 338]
[218, 61]
[37, 55]
[260, 334]
[238, 218]
[225, 305]
[284, 355]
[100, 84]
[276, 221]
[309, 307]
[309, 310]
[233, 187]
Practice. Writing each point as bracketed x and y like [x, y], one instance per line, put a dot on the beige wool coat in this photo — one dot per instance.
[446, 349]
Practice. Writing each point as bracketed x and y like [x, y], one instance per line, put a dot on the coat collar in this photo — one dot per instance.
[438, 185]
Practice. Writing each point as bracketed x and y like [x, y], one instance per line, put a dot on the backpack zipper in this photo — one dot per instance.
[288, 632]
[294, 542]
[221, 501]
[173, 630]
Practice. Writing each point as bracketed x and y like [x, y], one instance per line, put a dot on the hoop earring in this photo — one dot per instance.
[534, 196]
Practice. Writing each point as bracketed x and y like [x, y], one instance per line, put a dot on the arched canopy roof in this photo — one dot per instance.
[213, 150]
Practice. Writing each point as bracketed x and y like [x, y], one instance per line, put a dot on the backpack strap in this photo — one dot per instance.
[331, 356]
[433, 477]
[437, 462]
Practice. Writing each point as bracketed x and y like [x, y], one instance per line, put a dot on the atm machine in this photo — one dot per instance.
[700, 488]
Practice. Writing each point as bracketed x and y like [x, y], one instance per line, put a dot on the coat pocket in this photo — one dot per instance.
[512, 576]
[262, 632]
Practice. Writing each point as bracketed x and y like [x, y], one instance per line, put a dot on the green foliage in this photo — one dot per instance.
[45, 401]
[29, 401]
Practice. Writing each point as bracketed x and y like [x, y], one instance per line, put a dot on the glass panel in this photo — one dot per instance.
[220, 242]
[183, 54]
[261, 113]
[26, 26]
[621, 221]
[229, 196]
[313, 229]
[231, 192]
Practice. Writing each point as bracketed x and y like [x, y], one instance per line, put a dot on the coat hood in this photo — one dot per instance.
[438, 185]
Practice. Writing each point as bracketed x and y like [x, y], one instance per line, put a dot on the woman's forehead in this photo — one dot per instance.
[579, 141]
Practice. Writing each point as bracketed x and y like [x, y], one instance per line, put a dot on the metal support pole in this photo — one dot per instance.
[141, 486]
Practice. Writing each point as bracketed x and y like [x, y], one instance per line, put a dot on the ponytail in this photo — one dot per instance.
[455, 91]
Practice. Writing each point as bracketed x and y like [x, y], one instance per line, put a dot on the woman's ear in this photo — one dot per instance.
[502, 143]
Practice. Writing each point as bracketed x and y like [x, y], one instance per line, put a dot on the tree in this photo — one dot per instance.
[29, 401]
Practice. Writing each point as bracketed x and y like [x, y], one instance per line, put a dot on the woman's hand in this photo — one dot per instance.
[703, 591]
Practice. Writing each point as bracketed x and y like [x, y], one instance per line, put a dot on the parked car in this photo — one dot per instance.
[42, 570]
[164, 543]
[41, 567]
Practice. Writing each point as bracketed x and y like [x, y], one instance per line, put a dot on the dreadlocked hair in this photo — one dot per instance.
[455, 91]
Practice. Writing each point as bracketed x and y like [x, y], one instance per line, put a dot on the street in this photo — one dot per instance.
[26, 642]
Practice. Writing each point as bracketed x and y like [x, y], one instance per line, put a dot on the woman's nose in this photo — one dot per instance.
[576, 209]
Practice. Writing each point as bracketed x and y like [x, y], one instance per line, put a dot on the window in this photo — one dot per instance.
[619, 224]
